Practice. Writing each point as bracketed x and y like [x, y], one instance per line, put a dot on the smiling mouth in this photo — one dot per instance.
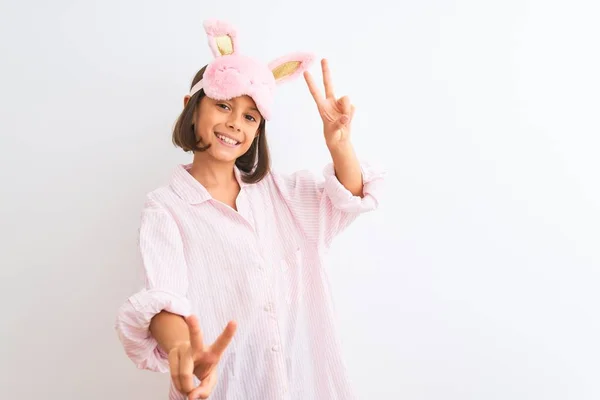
[226, 140]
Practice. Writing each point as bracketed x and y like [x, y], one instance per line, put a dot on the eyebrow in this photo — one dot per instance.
[251, 108]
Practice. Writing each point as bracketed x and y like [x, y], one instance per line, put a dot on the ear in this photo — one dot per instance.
[290, 66]
[222, 38]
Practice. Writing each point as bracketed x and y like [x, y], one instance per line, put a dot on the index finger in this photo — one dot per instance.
[312, 87]
[219, 346]
[196, 340]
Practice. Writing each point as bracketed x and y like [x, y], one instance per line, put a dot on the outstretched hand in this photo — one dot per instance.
[195, 358]
[336, 113]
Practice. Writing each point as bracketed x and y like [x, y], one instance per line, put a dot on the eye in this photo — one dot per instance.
[223, 106]
[250, 118]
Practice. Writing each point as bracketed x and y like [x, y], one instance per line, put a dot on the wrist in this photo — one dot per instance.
[178, 344]
[340, 147]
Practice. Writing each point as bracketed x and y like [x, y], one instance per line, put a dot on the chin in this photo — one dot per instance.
[227, 156]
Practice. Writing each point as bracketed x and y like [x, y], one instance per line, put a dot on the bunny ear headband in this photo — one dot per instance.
[232, 74]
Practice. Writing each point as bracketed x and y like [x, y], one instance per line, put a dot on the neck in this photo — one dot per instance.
[212, 174]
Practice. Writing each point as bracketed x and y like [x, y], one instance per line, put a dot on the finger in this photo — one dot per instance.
[186, 371]
[327, 79]
[345, 105]
[174, 368]
[352, 112]
[312, 87]
[205, 389]
[196, 339]
[219, 346]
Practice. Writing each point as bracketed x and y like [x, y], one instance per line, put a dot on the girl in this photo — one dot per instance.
[242, 247]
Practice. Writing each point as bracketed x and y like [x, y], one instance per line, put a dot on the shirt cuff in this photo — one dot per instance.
[342, 199]
[133, 322]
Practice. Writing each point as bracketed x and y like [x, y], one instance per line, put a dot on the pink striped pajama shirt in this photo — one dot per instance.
[261, 266]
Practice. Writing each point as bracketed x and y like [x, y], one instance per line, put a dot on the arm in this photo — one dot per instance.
[337, 117]
[166, 284]
[324, 209]
[170, 330]
[347, 168]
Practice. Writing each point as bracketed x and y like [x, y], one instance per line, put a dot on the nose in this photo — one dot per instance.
[233, 122]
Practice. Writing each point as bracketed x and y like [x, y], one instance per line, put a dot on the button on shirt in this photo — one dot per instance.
[261, 266]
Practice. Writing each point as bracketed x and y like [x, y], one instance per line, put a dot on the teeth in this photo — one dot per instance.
[227, 140]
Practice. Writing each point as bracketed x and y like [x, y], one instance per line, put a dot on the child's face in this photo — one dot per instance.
[229, 126]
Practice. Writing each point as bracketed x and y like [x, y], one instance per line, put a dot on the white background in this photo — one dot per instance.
[477, 279]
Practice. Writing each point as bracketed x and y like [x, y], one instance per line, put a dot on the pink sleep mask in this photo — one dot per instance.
[232, 74]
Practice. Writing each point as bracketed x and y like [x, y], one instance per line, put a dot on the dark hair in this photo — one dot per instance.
[254, 164]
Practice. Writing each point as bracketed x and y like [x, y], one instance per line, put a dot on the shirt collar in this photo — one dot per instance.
[189, 189]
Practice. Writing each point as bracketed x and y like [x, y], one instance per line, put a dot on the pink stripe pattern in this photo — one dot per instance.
[262, 266]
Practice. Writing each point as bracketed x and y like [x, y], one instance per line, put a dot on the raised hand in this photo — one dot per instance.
[195, 358]
[336, 113]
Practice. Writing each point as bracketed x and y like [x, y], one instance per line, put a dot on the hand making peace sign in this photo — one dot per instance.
[336, 113]
[195, 358]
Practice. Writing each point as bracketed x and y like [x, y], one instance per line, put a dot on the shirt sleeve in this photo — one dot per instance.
[166, 284]
[324, 207]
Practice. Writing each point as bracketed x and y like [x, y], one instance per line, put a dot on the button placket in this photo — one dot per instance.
[270, 309]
